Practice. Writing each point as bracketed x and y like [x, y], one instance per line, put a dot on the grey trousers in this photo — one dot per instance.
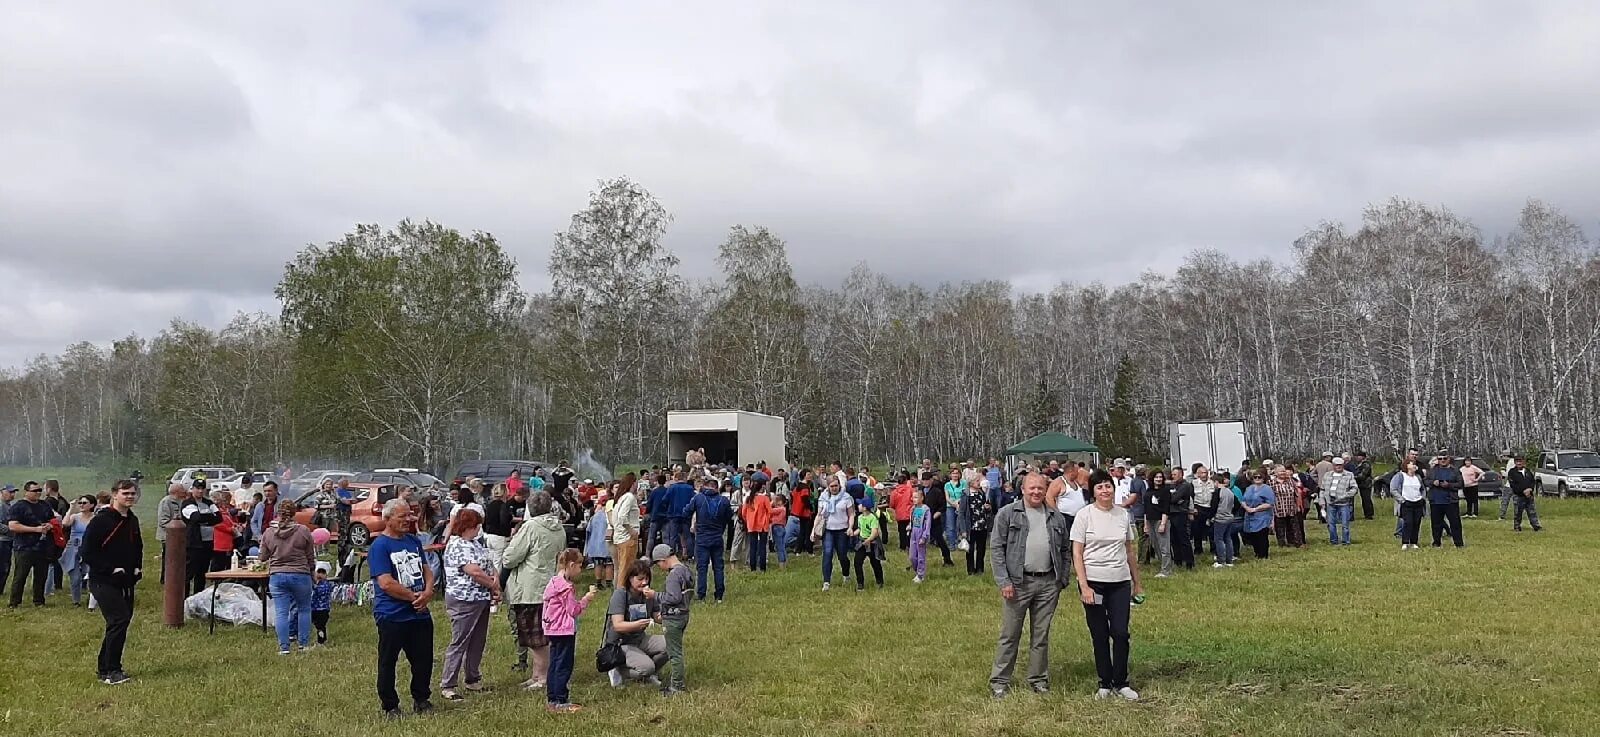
[1035, 599]
[469, 631]
[1162, 542]
[645, 658]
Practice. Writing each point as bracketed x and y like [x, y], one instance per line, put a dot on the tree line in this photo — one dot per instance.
[415, 344]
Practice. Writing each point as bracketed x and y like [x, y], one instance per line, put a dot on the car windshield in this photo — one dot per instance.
[1580, 460]
[424, 479]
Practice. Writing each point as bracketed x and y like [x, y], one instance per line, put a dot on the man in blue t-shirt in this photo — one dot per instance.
[402, 589]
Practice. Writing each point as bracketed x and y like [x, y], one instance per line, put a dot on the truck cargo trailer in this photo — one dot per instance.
[728, 436]
[1218, 443]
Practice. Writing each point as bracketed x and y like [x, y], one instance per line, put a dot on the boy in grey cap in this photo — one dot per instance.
[674, 602]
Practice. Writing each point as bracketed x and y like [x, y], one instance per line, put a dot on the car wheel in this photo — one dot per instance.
[1561, 490]
[1538, 488]
[359, 535]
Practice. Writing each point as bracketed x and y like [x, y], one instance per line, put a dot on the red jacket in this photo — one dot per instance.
[900, 502]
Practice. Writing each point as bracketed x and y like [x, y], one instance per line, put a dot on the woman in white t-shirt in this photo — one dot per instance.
[1104, 556]
[1406, 486]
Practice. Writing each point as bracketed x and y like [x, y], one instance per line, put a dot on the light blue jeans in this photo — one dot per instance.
[291, 598]
[1339, 518]
[791, 536]
[780, 540]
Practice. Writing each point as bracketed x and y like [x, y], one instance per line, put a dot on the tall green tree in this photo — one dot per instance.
[1119, 434]
[613, 286]
[392, 329]
[754, 324]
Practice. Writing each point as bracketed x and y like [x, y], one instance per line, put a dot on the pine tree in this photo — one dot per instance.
[1119, 435]
[1045, 410]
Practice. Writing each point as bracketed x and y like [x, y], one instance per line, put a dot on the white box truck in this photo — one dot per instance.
[728, 436]
[1218, 443]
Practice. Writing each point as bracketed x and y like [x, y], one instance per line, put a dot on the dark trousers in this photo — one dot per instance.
[938, 536]
[1470, 493]
[5, 564]
[1108, 629]
[1366, 500]
[977, 546]
[415, 639]
[197, 564]
[1410, 521]
[27, 563]
[1178, 529]
[905, 534]
[1200, 529]
[319, 620]
[1260, 541]
[1291, 530]
[116, 606]
[221, 560]
[863, 554]
[758, 550]
[563, 650]
[803, 544]
[1440, 515]
[709, 555]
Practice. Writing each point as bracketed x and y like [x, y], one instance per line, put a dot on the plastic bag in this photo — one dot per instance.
[236, 604]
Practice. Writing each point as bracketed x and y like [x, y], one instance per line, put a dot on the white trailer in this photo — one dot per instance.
[1218, 443]
[728, 436]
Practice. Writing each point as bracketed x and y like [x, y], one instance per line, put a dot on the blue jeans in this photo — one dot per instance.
[952, 527]
[1339, 518]
[291, 597]
[75, 567]
[780, 540]
[791, 534]
[835, 542]
[1223, 540]
[708, 555]
[563, 650]
[682, 541]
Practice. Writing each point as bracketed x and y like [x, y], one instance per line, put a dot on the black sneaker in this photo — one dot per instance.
[114, 679]
[422, 707]
[394, 713]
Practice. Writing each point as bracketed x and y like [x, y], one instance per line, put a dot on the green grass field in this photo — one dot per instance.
[1494, 639]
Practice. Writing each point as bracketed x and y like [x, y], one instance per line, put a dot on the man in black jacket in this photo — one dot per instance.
[1362, 468]
[1521, 482]
[114, 551]
[201, 516]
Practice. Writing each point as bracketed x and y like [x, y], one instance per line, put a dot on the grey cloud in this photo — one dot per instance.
[192, 150]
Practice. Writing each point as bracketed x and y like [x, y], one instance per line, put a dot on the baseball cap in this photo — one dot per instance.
[1327, 454]
[8, 487]
[660, 553]
[198, 484]
[1337, 461]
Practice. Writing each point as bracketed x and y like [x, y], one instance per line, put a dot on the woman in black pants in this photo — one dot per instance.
[933, 496]
[1406, 486]
[980, 510]
[1104, 557]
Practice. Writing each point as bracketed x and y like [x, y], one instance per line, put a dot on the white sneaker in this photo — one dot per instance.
[1161, 575]
[1128, 693]
[1102, 694]
[826, 586]
[917, 579]
[1230, 565]
[616, 677]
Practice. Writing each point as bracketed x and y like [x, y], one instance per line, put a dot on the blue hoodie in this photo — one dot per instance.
[656, 504]
[712, 513]
[679, 495]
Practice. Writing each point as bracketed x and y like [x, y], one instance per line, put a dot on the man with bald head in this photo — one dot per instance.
[1032, 564]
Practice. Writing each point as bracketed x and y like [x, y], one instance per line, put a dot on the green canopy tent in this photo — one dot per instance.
[1052, 446]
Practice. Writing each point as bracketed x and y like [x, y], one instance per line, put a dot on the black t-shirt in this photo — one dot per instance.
[1158, 503]
[560, 479]
[934, 498]
[30, 514]
[497, 518]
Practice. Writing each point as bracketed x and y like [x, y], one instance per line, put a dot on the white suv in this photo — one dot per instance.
[1563, 471]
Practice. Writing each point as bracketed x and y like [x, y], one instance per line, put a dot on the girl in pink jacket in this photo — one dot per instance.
[560, 617]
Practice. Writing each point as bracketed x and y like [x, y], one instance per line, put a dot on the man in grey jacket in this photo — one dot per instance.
[167, 510]
[1337, 495]
[1032, 564]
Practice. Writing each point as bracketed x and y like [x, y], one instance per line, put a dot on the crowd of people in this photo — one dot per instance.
[524, 544]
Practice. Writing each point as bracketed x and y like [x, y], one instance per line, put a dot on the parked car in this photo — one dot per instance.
[425, 482]
[494, 472]
[188, 474]
[1563, 471]
[1490, 483]
[313, 480]
[366, 513]
[233, 482]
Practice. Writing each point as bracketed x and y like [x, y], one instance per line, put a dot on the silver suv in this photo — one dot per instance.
[1563, 471]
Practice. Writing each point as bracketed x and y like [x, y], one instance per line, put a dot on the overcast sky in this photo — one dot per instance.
[162, 160]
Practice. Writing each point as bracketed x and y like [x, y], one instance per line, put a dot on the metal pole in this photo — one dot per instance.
[176, 569]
